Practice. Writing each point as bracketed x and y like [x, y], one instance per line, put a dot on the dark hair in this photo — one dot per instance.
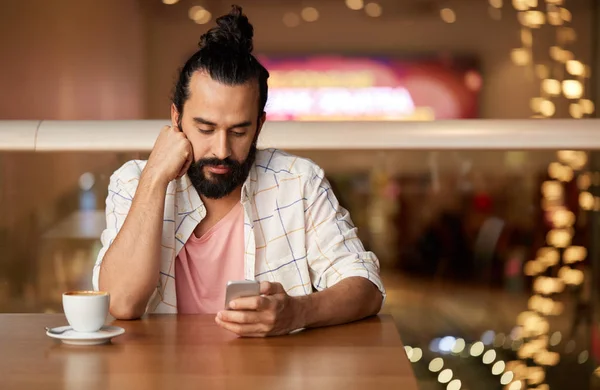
[225, 53]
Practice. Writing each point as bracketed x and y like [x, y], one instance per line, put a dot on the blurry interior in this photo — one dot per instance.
[453, 228]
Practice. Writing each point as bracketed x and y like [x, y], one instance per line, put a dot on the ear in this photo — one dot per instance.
[174, 117]
[261, 122]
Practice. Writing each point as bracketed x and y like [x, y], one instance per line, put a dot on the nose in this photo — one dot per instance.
[221, 148]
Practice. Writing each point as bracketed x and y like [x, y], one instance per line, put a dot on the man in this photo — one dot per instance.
[208, 207]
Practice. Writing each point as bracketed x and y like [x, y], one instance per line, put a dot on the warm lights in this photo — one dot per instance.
[445, 376]
[560, 238]
[575, 159]
[574, 254]
[534, 19]
[477, 349]
[436, 364]
[489, 357]
[459, 346]
[547, 108]
[496, 3]
[548, 256]
[374, 10]
[554, 18]
[555, 339]
[415, 355]
[454, 384]
[310, 14]
[551, 87]
[576, 68]
[498, 367]
[566, 14]
[448, 15]
[520, 5]
[507, 377]
[586, 200]
[520, 56]
[169, 2]
[518, 385]
[535, 375]
[547, 358]
[575, 110]
[587, 106]
[199, 14]
[584, 181]
[571, 276]
[552, 190]
[542, 71]
[572, 89]
[355, 4]
[291, 19]
[547, 285]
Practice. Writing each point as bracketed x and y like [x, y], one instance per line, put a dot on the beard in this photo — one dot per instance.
[219, 185]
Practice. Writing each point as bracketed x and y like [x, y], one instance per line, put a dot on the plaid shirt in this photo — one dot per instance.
[296, 233]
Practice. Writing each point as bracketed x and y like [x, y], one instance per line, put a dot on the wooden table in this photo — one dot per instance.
[192, 352]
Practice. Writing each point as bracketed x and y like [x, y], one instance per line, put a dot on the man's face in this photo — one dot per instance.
[222, 124]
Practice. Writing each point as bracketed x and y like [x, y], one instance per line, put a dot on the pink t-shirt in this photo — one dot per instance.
[206, 264]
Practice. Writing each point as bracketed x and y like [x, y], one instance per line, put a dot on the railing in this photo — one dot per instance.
[139, 135]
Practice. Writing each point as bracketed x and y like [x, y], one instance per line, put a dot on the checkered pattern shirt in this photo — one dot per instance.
[296, 233]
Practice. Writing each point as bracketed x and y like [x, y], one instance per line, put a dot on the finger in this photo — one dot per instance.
[249, 303]
[239, 317]
[244, 330]
[268, 288]
[186, 166]
[188, 162]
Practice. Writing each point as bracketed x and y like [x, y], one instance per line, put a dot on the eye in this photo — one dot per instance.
[238, 133]
[205, 131]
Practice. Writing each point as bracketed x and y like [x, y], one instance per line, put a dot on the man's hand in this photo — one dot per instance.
[270, 314]
[171, 155]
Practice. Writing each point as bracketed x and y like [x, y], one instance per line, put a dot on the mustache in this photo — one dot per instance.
[213, 161]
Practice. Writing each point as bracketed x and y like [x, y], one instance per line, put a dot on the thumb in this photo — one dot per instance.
[268, 288]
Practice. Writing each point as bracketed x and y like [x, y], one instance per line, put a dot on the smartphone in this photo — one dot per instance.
[239, 289]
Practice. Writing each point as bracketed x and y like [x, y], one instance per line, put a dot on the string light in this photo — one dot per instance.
[291, 19]
[454, 384]
[374, 10]
[436, 364]
[572, 89]
[448, 15]
[310, 14]
[445, 376]
[170, 2]
[355, 4]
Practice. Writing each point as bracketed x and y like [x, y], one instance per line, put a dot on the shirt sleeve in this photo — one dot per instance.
[334, 251]
[118, 203]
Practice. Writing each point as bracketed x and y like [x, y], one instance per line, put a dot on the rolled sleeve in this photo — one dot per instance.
[334, 251]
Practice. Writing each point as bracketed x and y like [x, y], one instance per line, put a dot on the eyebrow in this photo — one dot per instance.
[203, 121]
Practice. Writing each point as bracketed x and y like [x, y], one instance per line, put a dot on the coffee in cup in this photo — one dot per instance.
[86, 311]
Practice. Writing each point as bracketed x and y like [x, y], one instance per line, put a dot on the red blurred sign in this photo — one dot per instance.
[365, 88]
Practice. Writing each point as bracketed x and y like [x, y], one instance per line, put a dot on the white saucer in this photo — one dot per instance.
[72, 337]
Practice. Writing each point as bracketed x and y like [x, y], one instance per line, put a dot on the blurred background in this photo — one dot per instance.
[486, 255]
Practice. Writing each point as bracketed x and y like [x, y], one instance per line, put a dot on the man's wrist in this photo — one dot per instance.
[302, 308]
[153, 179]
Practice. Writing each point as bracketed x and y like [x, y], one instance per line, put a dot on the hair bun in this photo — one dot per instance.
[233, 32]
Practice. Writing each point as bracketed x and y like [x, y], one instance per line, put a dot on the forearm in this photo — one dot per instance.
[130, 267]
[349, 300]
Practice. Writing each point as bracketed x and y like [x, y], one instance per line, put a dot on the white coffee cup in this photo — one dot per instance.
[86, 311]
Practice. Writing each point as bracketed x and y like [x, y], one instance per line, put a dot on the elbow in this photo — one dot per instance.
[125, 311]
[126, 307]
[376, 300]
